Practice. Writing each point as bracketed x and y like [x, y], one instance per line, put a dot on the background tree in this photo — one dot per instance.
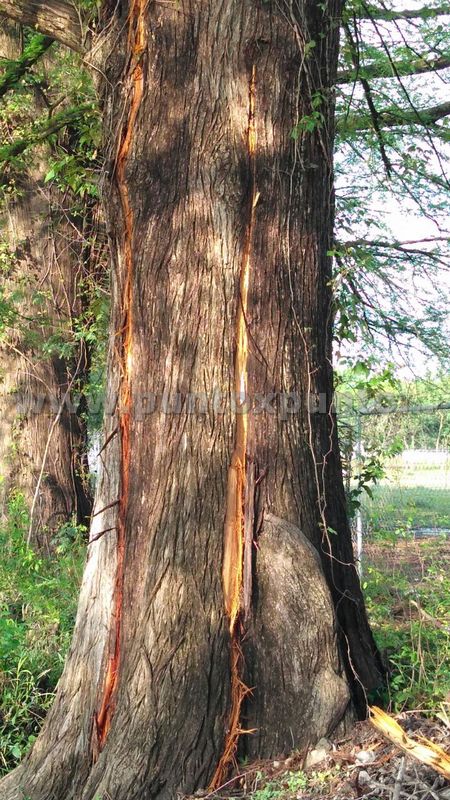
[47, 250]
[393, 112]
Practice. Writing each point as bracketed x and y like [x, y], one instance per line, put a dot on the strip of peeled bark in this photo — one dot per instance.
[197, 232]
[234, 534]
[137, 43]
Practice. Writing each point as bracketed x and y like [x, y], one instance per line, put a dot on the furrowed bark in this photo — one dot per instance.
[220, 224]
[294, 616]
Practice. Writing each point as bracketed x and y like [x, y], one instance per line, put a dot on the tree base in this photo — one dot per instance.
[301, 693]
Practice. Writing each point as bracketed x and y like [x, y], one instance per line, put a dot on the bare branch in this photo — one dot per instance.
[402, 68]
[426, 12]
[56, 18]
[394, 244]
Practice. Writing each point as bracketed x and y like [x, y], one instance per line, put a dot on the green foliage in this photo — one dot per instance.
[370, 440]
[370, 471]
[290, 785]
[420, 429]
[288, 782]
[12, 71]
[67, 119]
[315, 119]
[38, 597]
[64, 129]
[94, 329]
[417, 645]
[357, 385]
[43, 130]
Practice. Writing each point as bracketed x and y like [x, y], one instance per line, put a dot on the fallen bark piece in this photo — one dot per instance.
[424, 750]
[399, 780]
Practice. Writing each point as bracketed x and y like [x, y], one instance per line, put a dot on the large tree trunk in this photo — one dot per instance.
[42, 438]
[220, 222]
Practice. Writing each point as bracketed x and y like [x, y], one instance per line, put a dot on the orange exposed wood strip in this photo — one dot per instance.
[233, 559]
[137, 44]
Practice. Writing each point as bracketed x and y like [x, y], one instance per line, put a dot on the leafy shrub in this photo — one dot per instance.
[410, 616]
[38, 597]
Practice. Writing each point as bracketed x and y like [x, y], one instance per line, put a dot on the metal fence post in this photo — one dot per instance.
[358, 517]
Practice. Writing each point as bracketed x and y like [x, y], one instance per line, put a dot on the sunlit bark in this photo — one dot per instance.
[220, 223]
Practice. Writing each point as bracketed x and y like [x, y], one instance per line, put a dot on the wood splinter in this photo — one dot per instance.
[424, 750]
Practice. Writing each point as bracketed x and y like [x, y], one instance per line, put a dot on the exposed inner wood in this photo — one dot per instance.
[137, 43]
[235, 534]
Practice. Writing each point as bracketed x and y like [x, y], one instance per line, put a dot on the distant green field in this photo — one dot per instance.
[406, 507]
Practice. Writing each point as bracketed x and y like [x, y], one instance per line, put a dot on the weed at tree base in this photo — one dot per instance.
[38, 597]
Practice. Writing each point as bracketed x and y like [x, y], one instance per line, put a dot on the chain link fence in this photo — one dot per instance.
[397, 470]
[413, 495]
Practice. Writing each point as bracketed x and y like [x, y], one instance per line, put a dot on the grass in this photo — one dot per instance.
[407, 583]
[289, 784]
[406, 507]
[38, 597]
[407, 592]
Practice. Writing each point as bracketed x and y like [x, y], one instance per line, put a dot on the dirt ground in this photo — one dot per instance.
[411, 557]
[361, 766]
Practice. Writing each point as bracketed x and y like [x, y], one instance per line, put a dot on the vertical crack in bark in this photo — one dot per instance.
[236, 580]
[136, 45]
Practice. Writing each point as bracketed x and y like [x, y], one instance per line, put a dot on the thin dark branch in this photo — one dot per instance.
[99, 535]
[353, 44]
[404, 89]
[105, 508]
[394, 244]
